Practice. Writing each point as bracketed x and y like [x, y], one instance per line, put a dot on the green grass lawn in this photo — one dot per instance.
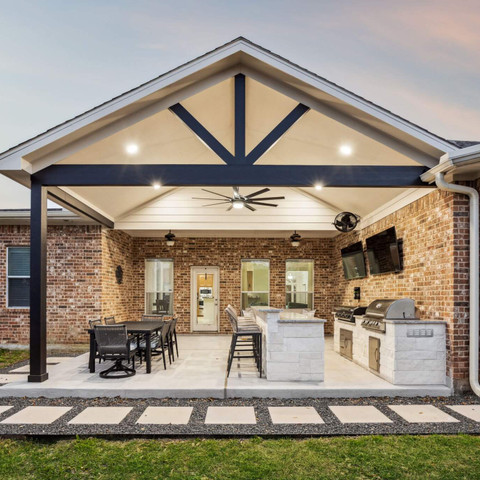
[9, 357]
[373, 457]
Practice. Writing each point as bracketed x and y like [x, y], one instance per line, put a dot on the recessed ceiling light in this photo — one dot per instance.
[346, 150]
[132, 148]
[156, 186]
[318, 187]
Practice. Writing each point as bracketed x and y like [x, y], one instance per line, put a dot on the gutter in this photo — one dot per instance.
[474, 264]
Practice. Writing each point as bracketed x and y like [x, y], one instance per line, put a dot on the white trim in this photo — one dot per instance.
[238, 46]
[254, 291]
[194, 271]
[8, 277]
[170, 260]
[313, 278]
[402, 200]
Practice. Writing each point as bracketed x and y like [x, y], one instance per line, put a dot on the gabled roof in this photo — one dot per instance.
[377, 116]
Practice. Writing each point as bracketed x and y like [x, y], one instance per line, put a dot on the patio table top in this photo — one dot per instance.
[145, 326]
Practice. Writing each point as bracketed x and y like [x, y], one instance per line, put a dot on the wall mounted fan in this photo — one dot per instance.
[346, 222]
[238, 200]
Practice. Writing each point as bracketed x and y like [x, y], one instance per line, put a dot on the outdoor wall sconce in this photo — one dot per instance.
[170, 239]
[295, 239]
[119, 274]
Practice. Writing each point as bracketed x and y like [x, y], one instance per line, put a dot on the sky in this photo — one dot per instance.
[419, 59]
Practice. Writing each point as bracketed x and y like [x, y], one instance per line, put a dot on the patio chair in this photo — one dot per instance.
[158, 344]
[244, 321]
[93, 323]
[244, 339]
[152, 317]
[173, 335]
[113, 344]
[110, 320]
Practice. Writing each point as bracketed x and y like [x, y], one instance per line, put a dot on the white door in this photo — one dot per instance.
[205, 305]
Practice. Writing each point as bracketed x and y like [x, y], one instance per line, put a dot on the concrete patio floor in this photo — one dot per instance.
[200, 372]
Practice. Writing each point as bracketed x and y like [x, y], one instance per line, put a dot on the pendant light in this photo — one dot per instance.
[170, 239]
[295, 239]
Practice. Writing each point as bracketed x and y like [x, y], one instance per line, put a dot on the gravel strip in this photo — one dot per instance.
[264, 427]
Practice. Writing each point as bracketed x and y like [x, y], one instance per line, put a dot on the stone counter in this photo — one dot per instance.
[293, 345]
[412, 352]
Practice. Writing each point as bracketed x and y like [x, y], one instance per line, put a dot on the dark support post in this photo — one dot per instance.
[38, 283]
[240, 118]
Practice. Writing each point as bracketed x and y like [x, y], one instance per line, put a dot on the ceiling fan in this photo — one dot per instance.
[239, 201]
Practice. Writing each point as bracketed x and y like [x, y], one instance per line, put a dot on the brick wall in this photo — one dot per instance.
[227, 254]
[434, 230]
[82, 284]
[74, 264]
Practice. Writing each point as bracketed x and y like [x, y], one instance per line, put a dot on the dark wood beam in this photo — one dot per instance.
[74, 205]
[201, 132]
[38, 283]
[240, 118]
[277, 132]
[228, 175]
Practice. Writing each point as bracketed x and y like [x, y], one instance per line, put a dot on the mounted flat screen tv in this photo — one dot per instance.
[383, 252]
[353, 261]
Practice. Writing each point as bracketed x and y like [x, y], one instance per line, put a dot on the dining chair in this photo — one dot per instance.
[110, 320]
[113, 344]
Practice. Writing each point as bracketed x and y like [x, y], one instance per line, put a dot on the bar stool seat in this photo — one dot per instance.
[246, 341]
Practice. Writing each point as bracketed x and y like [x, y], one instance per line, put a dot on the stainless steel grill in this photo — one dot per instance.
[347, 314]
[380, 310]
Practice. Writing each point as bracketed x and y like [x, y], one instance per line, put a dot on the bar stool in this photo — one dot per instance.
[245, 338]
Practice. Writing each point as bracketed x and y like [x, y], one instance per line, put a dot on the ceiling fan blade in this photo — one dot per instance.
[249, 207]
[215, 193]
[261, 203]
[218, 203]
[229, 208]
[204, 198]
[267, 198]
[259, 192]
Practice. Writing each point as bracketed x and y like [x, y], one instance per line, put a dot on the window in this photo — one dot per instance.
[18, 277]
[255, 283]
[299, 284]
[158, 286]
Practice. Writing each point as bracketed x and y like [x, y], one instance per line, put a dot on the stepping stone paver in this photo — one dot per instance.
[470, 411]
[101, 416]
[230, 415]
[295, 415]
[359, 414]
[4, 408]
[165, 416]
[37, 415]
[422, 414]
[15, 377]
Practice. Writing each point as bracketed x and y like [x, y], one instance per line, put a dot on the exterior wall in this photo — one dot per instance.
[117, 298]
[73, 283]
[82, 283]
[227, 254]
[434, 230]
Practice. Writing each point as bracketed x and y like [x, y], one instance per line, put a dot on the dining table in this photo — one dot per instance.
[144, 328]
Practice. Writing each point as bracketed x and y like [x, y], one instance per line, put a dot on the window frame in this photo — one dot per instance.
[254, 291]
[150, 259]
[302, 260]
[8, 277]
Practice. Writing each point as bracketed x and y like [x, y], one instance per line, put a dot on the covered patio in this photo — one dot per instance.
[200, 372]
[235, 121]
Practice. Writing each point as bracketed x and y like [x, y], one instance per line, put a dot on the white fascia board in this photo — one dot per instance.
[121, 102]
[349, 98]
[194, 66]
[400, 201]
